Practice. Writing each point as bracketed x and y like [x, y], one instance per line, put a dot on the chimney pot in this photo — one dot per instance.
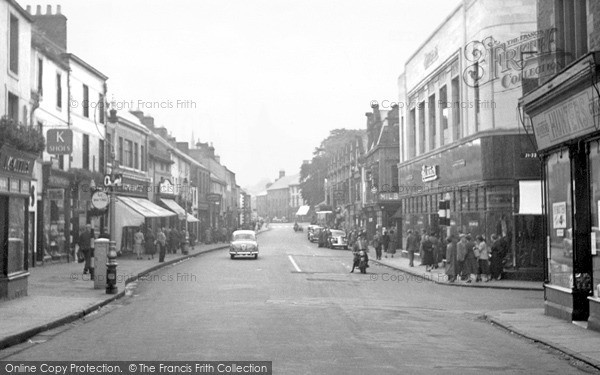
[58, 9]
[28, 9]
[48, 10]
[38, 10]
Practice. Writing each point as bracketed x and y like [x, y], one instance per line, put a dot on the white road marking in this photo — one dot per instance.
[294, 263]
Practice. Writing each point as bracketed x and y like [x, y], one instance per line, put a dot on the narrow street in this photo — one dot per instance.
[299, 306]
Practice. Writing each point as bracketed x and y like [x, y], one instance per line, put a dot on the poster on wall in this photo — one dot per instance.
[559, 214]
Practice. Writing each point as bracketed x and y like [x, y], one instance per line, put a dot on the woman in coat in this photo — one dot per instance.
[427, 250]
[385, 241]
[496, 266]
[393, 244]
[470, 265]
[451, 252]
[150, 246]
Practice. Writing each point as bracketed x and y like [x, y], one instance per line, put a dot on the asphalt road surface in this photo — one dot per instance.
[299, 306]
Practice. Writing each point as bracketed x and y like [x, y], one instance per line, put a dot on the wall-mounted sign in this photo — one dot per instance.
[166, 187]
[15, 161]
[59, 141]
[213, 197]
[429, 173]
[56, 194]
[570, 119]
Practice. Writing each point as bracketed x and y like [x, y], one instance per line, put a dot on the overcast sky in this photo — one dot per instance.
[263, 80]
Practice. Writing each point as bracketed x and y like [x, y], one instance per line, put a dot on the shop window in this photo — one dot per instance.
[560, 230]
[473, 199]
[594, 168]
[16, 234]
[464, 200]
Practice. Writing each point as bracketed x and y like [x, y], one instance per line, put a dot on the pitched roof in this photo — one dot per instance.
[285, 182]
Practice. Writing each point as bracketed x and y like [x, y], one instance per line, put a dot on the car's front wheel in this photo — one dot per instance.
[255, 256]
[232, 256]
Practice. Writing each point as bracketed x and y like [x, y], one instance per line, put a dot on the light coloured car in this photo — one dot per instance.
[243, 243]
[338, 239]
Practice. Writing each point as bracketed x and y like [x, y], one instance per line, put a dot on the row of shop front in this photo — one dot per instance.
[565, 121]
[493, 186]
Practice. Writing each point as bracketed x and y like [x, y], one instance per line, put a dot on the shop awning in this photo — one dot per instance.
[191, 219]
[173, 206]
[530, 197]
[145, 208]
[303, 210]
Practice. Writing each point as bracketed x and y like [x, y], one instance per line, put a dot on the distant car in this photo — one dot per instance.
[243, 242]
[313, 233]
[338, 239]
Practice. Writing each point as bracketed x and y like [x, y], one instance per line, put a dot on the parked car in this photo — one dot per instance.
[311, 233]
[243, 242]
[338, 239]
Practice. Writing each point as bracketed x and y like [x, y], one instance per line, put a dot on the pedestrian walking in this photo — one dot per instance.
[482, 253]
[470, 265]
[173, 240]
[412, 246]
[451, 253]
[461, 253]
[393, 244]
[427, 251]
[161, 242]
[385, 241]
[497, 256]
[377, 245]
[437, 248]
[138, 242]
[84, 242]
[149, 243]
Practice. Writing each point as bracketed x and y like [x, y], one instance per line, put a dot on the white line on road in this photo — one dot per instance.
[294, 263]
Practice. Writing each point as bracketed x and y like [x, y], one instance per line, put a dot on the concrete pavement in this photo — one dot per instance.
[439, 276]
[563, 336]
[59, 294]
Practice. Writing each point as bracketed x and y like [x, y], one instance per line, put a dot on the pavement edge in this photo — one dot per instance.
[21, 337]
[571, 353]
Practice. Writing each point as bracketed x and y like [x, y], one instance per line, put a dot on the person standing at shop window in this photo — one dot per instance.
[84, 242]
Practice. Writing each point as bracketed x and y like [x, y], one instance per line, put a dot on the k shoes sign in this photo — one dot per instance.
[59, 141]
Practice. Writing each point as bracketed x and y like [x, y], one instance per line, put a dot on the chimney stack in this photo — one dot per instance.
[53, 26]
[281, 173]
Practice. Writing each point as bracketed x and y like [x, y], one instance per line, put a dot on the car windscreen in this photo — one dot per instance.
[243, 237]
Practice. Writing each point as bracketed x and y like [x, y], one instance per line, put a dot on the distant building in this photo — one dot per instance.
[283, 197]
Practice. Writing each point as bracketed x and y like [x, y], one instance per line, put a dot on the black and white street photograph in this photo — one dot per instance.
[299, 187]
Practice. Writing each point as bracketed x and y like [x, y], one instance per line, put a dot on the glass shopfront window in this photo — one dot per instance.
[594, 168]
[560, 229]
[16, 234]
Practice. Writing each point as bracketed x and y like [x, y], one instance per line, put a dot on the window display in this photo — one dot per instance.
[560, 260]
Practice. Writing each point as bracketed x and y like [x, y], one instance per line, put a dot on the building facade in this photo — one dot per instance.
[562, 104]
[460, 138]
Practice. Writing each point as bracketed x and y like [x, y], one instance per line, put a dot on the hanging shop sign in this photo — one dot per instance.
[100, 200]
[59, 141]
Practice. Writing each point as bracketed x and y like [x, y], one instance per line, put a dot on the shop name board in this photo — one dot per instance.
[13, 161]
[429, 173]
[569, 119]
[56, 194]
[389, 196]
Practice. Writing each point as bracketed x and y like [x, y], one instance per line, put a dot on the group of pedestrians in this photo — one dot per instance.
[429, 246]
[165, 240]
[469, 260]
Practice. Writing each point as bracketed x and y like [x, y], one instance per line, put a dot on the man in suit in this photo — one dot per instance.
[85, 244]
